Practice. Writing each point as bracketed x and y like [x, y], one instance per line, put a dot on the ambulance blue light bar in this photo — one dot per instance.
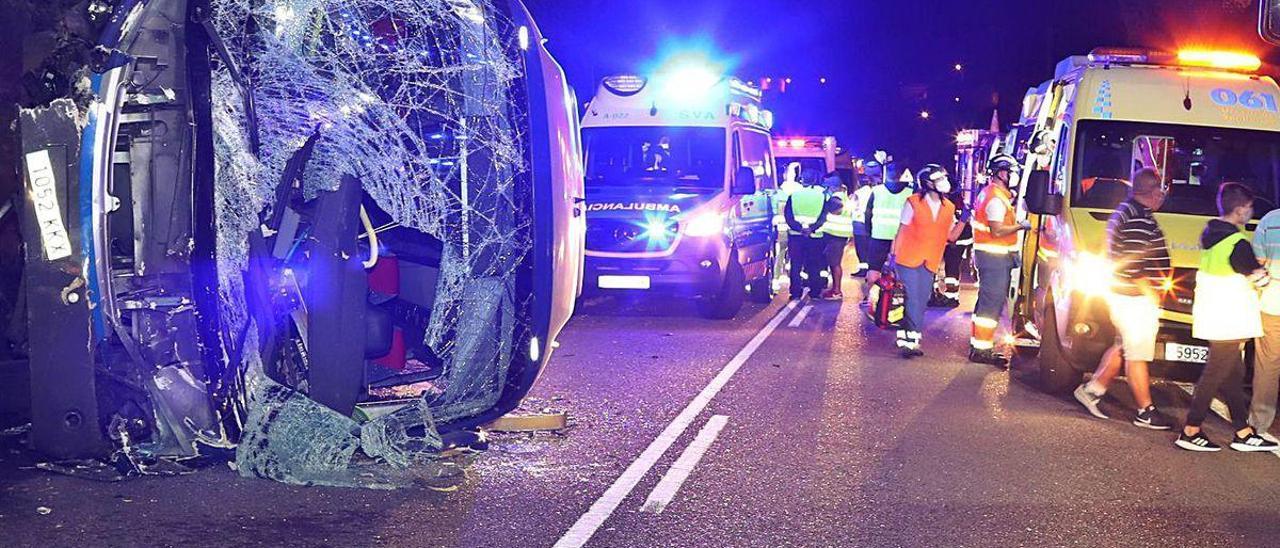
[625, 84]
[1126, 55]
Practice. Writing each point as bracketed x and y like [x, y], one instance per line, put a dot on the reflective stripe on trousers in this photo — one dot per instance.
[995, 272]
[918, 283]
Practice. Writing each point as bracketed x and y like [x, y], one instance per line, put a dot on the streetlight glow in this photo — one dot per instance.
[924, 115]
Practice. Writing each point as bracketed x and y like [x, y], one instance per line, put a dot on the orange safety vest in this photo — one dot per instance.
[983, 239]
[925, 239]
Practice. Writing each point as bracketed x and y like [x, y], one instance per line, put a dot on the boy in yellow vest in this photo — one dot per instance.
[1227, 313]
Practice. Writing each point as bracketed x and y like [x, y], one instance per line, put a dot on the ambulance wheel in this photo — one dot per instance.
[726, 303]
[1057, 374]
[762, 288]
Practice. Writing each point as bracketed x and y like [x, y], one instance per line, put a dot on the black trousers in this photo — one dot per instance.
[952, 258]
[1222, 377]
[862, 247]
[806, 255]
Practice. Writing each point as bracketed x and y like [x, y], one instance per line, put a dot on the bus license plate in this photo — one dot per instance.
[43, 187]
[624, 282]
[1185, 353]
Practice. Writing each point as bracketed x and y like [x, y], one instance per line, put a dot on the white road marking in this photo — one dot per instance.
[586, 526]
[804, 313]
[666, 490]
[1220, 409]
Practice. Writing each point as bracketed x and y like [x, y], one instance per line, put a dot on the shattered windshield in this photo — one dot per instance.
[416, 103]
[682, 156]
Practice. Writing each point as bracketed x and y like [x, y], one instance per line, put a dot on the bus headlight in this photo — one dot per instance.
[706, 224]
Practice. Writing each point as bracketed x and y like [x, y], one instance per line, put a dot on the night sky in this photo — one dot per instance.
[885, 61]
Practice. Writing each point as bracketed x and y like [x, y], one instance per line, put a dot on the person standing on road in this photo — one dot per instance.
[995, 246]
[836, 233]
[1137, 249]
[1227, 313]
[884, 216]
[861, 232]
[953, 258]
[790, 184]
[806, 211]
[928, 224]
[1266, 365]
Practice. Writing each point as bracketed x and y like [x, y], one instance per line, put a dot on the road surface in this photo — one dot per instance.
[795, 425]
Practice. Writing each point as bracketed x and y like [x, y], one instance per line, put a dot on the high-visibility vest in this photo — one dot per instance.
[924, 240]
[886, 211]
[1226, 305]
[806, 206]
[840, 225]
[983, 238]
[780, 201]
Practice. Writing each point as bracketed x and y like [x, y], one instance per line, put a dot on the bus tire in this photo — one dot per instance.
[726, 303]
[1057, 374]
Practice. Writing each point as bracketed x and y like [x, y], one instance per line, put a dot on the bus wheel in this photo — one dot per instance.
[724, 305]
[1057, 374]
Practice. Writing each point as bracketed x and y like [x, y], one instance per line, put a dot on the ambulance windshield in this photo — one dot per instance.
[683, 157]
[1195, 161]
[806, 164]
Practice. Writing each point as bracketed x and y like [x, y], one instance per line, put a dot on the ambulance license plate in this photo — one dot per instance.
[1175, 352]
[623, 282]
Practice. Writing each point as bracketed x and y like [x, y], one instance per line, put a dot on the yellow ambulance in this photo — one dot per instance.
[1201, 118]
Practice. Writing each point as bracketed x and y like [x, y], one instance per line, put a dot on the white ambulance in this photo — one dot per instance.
[679, 174]
[810, 153]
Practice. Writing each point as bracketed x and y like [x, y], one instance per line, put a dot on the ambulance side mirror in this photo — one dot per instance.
[1041, 199]
[1269, 21]
[744, 182]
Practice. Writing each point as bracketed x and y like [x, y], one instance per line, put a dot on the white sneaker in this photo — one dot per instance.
[1090, 402]
[1267, 436]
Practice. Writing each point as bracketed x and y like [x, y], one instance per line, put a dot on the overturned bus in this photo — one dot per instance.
[305, 229]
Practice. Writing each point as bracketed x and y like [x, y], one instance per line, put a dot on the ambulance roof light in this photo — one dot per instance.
[689, 83]
[625, 84]
[1122, 55]
[1227, 60]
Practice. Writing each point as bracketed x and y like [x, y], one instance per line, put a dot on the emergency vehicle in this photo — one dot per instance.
[1201, 118]
[679, 175]
[974, 148]
[816, 153]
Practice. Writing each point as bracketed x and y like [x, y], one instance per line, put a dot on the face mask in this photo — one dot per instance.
[1014, 179]
[943, 186]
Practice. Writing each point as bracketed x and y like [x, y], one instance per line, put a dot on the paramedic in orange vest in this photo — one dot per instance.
[928, 223]
[995, 253]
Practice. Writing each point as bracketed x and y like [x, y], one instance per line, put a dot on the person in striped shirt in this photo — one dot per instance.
[1137, 250]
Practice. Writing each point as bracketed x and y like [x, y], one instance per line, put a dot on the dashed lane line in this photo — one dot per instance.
[799, 319]
[666, 490]
[587, 525]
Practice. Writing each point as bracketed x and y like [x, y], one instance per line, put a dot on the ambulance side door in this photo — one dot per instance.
[753, 234]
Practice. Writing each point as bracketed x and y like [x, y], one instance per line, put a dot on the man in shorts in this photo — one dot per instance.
[1138, 253]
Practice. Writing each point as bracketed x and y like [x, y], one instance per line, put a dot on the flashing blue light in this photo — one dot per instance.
[658, 231]
[656, 228]
[689, 83]
[687, 70]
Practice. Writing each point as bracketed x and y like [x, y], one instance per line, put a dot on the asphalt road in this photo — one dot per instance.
[826, 438]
